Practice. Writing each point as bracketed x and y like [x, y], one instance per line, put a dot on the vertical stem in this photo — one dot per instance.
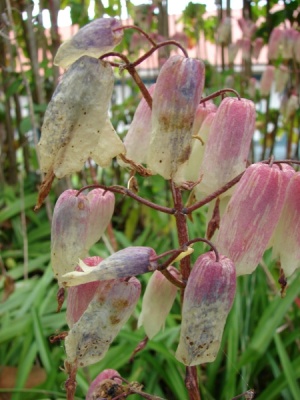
[191, 381]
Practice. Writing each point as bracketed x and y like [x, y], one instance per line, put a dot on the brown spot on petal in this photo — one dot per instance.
[114, 320]
[120, 304]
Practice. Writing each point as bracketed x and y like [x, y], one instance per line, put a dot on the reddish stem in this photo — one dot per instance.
[219, 93]
[137, 29]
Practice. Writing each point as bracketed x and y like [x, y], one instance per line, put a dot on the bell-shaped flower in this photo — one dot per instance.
[177, 94]
[104, 378]
[289, 39]
[90, 337]
[93, 40]
[275, 43]
[252, 214]
[190, 170]
[286, 241]
[246, 49]
[202, 111]
[257, 46]
[208, 298]
[137, 139]
[282, 75]
[79, 297]
[292, 106]
[233, 49]
[266, 80]
[247, 26]
[223, 35]
[252, 88]
[125, 263]
[296, 51]
[157, 302]
[227, 145]
[78, 222]
[76, 124]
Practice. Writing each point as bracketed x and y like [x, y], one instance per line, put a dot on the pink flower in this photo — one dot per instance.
[282, 75]
[251, 215]
[94, 391]
[228, 144]
[233, 49]
[286, 241]
[80, 296]
[93, 40]
[257, 46]
[267, 80]
[275, 42]
[208, 298]
[78, 222]
[158, 291]
[90, 337]
[76, 124]
[177, 94]
[131, 261]
[137, 139]
[246, 49]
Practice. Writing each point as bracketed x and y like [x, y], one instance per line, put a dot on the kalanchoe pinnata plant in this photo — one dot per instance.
[228, 143]
[286, 241]
[76, 124]
[207, 301]
[93, 40]
[96, 387]
[158, 299]
[78, 222]
[90, 337]
[177, 94]
[172, 127]
[252, 214]
[80, 296]
[125, 263]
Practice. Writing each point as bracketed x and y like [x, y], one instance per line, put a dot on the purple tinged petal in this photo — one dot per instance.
[275, 41]
[130, 261]
[208, 298]
[267, 80]
[76, 120]
[90, 337]
[286, 241]
[157, 302]
[257, 46]
[228, 144]
[102, 205]
[95, 386]
[251, 215]
[93, 40]
[80, 296]
[177, 94]
[137, 139]
[68, 232]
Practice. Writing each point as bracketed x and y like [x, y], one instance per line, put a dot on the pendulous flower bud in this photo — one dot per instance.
[257, 46]
[227, 145]
[78, 222]
[130, 261]
[137, 139]
[252, 214]
[90, 337]
[157, 302]
[286, 241]
[266, 80]
[93, 40]
[95, 389]
[80, 296]
[275, 42]
[177, 94]
[282, 75]
[76, 124]
[208, 298]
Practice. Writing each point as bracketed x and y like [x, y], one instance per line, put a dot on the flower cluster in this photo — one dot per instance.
[188, 141]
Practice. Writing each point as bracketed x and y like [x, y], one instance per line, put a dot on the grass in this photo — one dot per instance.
[261, 341]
